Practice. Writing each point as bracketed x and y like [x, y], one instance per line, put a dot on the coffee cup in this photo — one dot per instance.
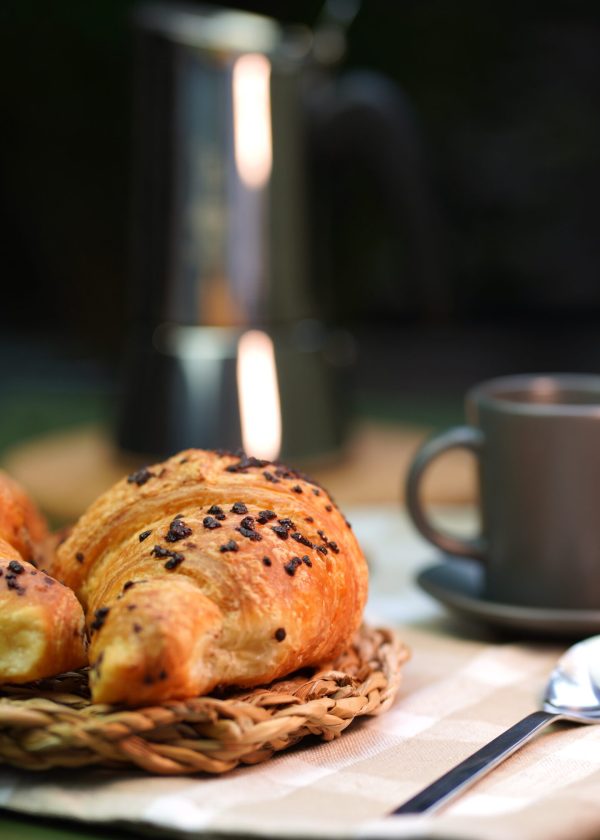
[536, 439]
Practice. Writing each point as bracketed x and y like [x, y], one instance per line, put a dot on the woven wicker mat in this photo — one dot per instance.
[52, 723]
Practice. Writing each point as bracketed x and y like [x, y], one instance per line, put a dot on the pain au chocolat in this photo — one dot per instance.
[211, 570]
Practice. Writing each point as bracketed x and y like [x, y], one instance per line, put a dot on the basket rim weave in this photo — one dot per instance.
[52, 723]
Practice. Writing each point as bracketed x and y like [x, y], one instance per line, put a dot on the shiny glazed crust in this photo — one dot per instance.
[42, 630]
[211, 570]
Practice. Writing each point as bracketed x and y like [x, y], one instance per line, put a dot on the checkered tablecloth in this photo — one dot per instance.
[460, 690]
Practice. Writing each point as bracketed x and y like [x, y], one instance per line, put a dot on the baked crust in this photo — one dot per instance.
[211, 569]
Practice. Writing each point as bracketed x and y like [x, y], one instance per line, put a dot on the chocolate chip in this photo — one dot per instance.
[16, 567]
[178, 530]
[13, 583]
[137, 628]
[292, 565]
[281, 531]
[321, 548]
[328, 508]
[267, 561]
[239, 507]
[140, 477]
[229, 546]
[316, 491]
[245, 463]
[280, 634]
[174, 560]
[296, 488]
[265, 516]
[99, 618]
[270, 477]
[79, 557]
[301, 539]
[144, 535]
[249, 533]
[217, 512]
[211, 523]
[162, 675]
[128, 584]
[306, 560]
[247, 522]
[309, 519]
[330, 543]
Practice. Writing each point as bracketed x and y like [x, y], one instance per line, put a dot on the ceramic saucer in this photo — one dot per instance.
[458, 584]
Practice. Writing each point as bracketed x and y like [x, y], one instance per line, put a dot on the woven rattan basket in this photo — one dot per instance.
[52, 723]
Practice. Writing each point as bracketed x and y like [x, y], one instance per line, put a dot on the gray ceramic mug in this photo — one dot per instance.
[537, 443]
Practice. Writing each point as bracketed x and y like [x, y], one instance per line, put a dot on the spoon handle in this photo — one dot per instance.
[476, 765]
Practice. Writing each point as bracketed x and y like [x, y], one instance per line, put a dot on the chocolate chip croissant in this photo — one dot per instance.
[42, 631]
[21, 523]
[210, 570]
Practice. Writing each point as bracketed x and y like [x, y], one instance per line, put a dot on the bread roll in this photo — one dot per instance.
[211, 570]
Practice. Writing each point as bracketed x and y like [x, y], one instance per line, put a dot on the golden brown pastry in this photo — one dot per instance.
[42, 629]
[21, 524]
[209, 570]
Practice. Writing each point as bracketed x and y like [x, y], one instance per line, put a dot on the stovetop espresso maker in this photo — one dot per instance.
[228, 346]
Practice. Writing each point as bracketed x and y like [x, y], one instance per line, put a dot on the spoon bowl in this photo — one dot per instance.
[572, 694]
[573, 690]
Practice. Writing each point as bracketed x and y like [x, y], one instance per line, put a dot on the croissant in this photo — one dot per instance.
[42, 628]
[21, 524]
[211, 570]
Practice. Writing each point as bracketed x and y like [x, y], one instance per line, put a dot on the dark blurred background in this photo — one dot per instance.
[506, 105]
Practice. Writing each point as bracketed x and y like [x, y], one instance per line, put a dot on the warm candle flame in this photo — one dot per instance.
[258, 393]
[252, 119]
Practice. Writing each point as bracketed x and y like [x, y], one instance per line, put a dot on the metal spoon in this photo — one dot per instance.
[572, 693]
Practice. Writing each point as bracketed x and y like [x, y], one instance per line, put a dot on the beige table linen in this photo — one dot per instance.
[462, 688]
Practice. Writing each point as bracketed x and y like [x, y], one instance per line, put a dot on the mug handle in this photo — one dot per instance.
[461, 437]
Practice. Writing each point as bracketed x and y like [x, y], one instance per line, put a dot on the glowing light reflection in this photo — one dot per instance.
[258, 393]
[252, 119]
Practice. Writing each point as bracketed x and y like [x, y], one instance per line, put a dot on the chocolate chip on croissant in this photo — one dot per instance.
[211, 569]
